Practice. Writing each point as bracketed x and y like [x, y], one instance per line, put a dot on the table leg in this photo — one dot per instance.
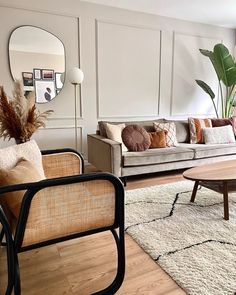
[194, 192]
[226, 201]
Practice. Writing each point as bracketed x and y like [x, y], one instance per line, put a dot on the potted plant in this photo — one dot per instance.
[19, 117]
[225, 69]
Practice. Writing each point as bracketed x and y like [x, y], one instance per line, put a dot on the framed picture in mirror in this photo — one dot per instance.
[37, 74]
[44, 91]
[47, 74]
[28, 82]
[58, 81]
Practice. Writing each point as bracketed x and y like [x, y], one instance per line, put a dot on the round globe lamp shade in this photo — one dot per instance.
[75, 76]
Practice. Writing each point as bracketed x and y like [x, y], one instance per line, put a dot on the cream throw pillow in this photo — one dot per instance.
[171, 139]
[114, 132]
[29, 150]
[217, 135]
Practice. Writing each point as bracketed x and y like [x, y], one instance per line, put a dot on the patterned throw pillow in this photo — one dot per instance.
[171, 139]
[195, 127]
[158, 139]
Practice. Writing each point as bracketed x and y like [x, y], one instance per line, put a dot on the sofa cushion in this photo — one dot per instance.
[182, 130]
[195, 127]
[158, 139]
[213, 150]
[157, 156]
[218, 122]
[114, 132]
[218, 135]
[147, 125]
[171, 139]
[135, 138]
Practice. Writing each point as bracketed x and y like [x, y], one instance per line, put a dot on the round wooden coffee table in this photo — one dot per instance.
[219, 177]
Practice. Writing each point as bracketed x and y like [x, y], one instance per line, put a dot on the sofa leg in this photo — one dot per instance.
[124, 180]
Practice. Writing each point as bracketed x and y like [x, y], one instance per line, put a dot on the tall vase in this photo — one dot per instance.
[20, 140]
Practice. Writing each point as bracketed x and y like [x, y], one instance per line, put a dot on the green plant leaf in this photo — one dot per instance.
[225, 65]
[215, 62]
[206, 88]
[209, 91]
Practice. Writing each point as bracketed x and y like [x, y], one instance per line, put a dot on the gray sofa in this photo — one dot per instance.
[107, 155]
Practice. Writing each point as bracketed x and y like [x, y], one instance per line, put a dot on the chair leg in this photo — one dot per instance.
[10, 252]
[17, 285]
[117, 282]
[1, 237]
[124, 180]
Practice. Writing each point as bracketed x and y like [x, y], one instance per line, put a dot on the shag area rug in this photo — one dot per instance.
[190, 241]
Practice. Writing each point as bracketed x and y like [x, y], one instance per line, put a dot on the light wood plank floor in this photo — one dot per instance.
[83, 266]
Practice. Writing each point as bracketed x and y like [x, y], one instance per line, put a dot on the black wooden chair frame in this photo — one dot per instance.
[14, 243]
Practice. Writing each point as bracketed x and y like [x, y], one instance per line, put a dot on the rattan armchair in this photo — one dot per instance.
[65, 206]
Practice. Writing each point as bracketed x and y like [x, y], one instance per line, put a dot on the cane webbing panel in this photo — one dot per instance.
[61, 164]
[67, 209]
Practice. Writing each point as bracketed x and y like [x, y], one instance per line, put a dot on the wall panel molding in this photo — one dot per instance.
[107, 30]
[189, 64]
[53, 136]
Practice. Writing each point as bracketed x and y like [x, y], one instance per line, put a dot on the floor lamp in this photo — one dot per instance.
[75, 77]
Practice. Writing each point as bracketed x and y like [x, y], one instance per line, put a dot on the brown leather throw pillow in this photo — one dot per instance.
[136, 138]
[158, 139]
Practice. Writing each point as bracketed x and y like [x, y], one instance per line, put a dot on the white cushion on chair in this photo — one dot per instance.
[29, 150]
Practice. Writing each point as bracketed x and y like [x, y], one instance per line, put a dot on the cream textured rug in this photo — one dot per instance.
[190, 241]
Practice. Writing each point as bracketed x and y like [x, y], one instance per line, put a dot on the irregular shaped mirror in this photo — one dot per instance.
[37, 57]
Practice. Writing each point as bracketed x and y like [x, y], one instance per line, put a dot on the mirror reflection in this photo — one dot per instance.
[37, 57]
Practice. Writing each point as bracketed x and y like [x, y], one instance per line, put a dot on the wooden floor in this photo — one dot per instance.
[85, 265]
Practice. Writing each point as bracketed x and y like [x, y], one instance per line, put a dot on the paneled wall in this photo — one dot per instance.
[137, 66]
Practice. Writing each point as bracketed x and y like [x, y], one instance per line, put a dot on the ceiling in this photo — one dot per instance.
[215, 12]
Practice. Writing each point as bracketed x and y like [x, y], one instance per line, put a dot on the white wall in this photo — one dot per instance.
[136, 65]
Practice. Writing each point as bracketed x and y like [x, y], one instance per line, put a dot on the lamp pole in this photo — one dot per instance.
[76, 137]
[75, 77]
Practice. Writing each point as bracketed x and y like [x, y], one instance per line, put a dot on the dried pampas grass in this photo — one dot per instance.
[19, 118]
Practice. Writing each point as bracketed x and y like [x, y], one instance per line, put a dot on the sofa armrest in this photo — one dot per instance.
[105, 154]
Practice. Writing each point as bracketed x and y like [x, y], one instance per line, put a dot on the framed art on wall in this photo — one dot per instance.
[47, 74]
[44, 91]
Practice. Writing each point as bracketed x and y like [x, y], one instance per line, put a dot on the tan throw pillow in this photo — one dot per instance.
[218, 135]
[195, 128]
[23, 172]
[135, 138]
[170, 129]
[158, 139]
[114, 133]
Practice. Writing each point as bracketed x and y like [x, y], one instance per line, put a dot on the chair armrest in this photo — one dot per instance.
[70, 206]
[62, 162]
[105, 154]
